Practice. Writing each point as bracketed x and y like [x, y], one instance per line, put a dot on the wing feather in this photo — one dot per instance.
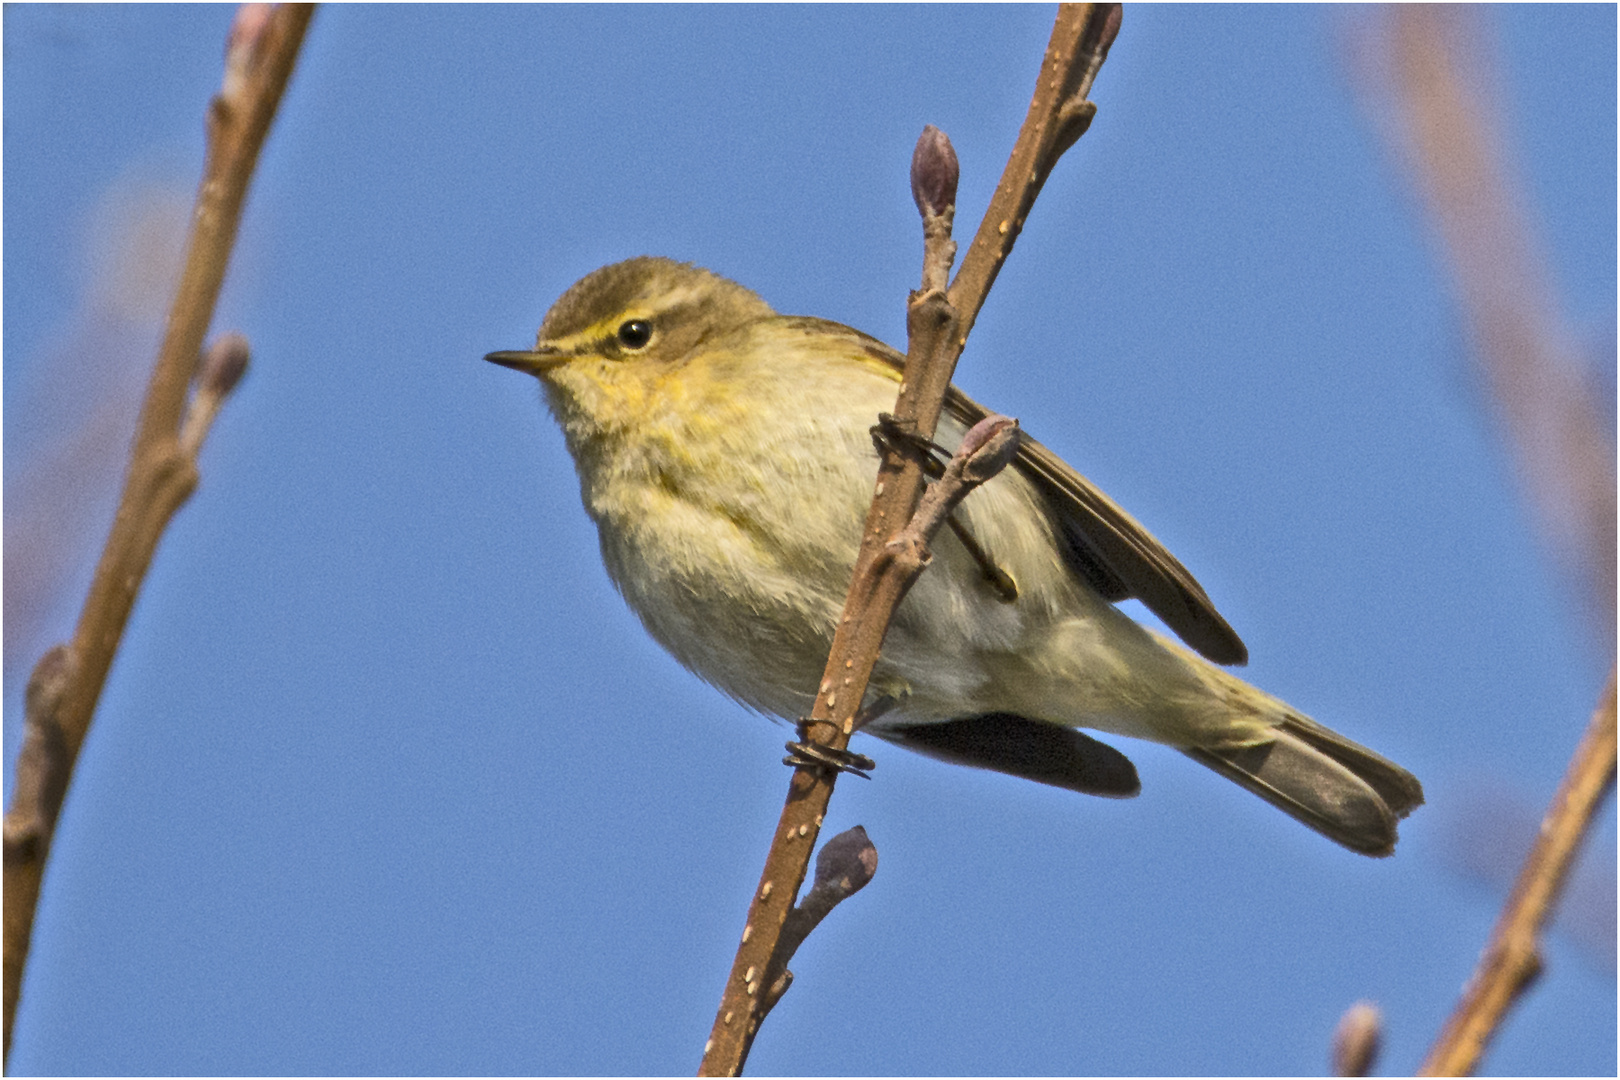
[1113, 550]
[1104, 544]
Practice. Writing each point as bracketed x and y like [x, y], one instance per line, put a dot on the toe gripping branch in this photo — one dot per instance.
[892, 433]
[804, 753]
[889, 433]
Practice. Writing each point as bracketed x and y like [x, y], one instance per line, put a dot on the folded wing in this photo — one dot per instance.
[1114, 553]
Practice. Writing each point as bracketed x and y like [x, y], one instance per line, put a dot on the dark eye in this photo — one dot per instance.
[635, 334]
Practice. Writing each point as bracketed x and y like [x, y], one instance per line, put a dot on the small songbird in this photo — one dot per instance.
[725, 453]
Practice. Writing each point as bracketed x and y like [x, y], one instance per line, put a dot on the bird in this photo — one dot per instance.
[726, 455]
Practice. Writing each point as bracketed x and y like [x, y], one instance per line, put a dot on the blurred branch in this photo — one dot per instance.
[1554, 426]
[1512, 957]
[67, 683]
[1445, 129]
[937, 325]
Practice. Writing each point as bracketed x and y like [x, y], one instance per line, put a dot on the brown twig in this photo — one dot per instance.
[937, 324]
[1446, 131]
[1512, 957]
[844, 867]
[1059, 113]
[67, 683]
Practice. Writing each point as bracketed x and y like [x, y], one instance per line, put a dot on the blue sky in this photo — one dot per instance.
[386, 779]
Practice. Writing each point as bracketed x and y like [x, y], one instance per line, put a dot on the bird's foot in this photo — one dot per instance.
[806, 754]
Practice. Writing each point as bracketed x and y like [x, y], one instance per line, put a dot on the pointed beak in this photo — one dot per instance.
[533, 361]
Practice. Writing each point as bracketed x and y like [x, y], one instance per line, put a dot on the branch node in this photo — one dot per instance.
[220, 368]
[844, 866]
[1073, 120]
[43, 765]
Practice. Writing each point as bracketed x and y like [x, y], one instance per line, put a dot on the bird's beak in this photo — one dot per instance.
[532, 361]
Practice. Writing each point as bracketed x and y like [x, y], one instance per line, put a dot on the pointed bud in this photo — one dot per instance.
[934, 172]
[242, 44]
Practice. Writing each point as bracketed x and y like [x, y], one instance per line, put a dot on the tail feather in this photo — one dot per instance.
[1398, 788]
[1341, 789]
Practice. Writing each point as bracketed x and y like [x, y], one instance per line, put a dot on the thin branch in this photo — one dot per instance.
[259, 58]
[937, 325]
[1445, 129]
[1059, 113]
[844, 867]
[1512, 957]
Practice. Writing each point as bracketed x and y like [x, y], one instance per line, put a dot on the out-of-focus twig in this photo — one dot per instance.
[1443, 119]
[182, 398]
[80, 396]
[1356, 1040]
[1512, 957]
[937, 324]
[1445, 126]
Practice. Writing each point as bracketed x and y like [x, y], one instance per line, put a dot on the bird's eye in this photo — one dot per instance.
[635, 334]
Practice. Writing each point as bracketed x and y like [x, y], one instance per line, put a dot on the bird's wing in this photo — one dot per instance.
[1104, 544]
[1115, 554]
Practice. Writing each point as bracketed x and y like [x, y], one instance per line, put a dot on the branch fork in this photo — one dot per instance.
[187, 388]
[938, 319]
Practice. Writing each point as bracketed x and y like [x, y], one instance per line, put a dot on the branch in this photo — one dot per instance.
[184, 396]
[845, 865]
[1059, 113]
[937, 324]
[1446, 132]
[1512, 957]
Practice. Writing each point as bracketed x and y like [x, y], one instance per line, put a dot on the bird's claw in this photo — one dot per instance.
[811, 755]
[889, 433]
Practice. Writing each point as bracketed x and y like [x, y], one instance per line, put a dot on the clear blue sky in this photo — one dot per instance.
[387, 779]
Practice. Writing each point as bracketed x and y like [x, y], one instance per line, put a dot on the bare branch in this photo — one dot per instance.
[222, 367]
[1059, 113]
[1445, 130]
[937, 324]
[1512, 957]
[260, 53]
[845, 865]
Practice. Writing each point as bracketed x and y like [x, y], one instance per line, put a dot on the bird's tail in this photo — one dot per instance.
[1339, 788]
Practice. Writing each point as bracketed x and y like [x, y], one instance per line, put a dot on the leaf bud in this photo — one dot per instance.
[934, 172]
[846, 862]
[223, 364]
